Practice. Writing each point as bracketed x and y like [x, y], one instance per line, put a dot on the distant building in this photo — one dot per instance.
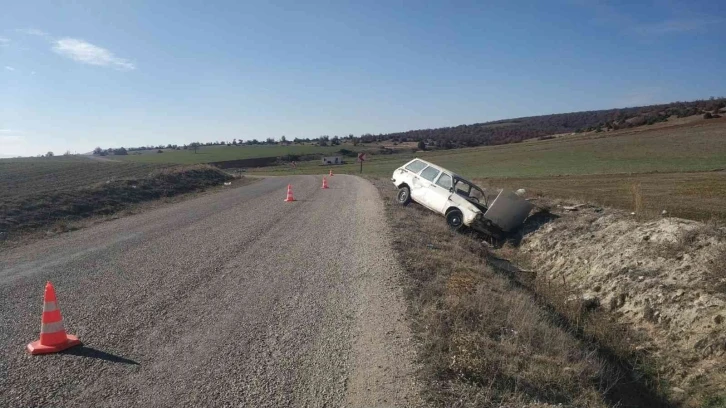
[332, 160]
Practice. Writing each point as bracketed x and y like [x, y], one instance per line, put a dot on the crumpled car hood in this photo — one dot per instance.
[508, 211]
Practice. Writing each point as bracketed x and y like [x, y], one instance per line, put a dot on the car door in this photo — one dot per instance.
[437, 196]
[422, 184]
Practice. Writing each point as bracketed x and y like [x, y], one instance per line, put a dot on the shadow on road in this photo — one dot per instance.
[90, 352]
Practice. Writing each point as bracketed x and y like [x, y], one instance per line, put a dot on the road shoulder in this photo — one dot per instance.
[384, 368]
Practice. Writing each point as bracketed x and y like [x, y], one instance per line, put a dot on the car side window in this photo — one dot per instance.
[415, 166]
[430, 173]
[444, 181]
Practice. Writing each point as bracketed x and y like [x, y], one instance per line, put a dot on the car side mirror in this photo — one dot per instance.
[451, 190]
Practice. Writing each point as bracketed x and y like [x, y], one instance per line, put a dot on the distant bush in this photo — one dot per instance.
[707, 115]
[160, 151]
[290, 158]
[347, 153]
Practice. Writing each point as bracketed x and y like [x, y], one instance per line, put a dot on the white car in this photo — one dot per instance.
[459, 200]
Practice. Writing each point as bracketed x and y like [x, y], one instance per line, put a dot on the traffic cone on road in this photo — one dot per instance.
[289, 193]
[330, 173]
[325, 183]
[53, 337]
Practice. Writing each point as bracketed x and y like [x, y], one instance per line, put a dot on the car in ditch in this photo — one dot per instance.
[462, 202]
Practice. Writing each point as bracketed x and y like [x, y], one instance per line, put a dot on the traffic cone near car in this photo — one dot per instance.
[325, 183]
[289, 193]
[53, 337]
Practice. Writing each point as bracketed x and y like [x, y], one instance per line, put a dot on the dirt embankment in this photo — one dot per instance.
[46, 209]
[663, 278]
[486, 339]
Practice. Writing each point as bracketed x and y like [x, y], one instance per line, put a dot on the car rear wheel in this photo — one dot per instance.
[404, 195]
[455, 219]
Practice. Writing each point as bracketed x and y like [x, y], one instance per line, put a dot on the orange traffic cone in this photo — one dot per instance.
[325, 183]
[289, 193]
[53, 337]
[330, 173]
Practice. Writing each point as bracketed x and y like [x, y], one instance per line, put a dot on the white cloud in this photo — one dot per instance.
[33, 31]
[4, 42]
[5, 130]
[9, 68]
[87, 53]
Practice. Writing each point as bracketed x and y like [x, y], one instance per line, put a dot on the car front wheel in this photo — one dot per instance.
[455, 219]
[404, 195]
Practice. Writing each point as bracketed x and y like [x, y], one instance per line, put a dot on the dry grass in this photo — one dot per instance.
[30, 177]
[489, 338]
[697, 196]
[61, 210]
[496, 338]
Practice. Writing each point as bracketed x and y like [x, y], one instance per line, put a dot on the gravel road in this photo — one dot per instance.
[229, 299]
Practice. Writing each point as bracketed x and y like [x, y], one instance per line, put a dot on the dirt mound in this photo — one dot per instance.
[665, 278]
[46, 208]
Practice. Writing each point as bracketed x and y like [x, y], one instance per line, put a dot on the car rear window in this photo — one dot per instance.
[444, 181]
[415, 166]
[430, 173]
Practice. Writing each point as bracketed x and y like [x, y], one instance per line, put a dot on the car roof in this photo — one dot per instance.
[454, 175]
[436, 166]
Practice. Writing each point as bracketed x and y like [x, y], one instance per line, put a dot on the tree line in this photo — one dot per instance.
[519, 129]
[487, 133]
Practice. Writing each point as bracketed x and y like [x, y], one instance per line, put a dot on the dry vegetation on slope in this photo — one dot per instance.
[490, 338]
[31, 210]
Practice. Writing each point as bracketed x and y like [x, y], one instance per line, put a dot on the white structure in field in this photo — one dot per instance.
[332, 160]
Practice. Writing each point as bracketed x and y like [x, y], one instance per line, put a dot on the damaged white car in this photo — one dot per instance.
[459, 200]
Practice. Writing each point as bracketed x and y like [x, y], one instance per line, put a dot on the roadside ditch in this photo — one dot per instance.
[506, 327]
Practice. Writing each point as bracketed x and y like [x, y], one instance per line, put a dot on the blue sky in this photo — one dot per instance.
[130, 73]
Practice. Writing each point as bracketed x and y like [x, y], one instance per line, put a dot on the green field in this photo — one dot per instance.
[678, 168]
[209, 154]
[698, 147]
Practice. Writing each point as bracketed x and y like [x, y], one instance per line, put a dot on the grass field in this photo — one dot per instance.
[33, 176]
[695, 147]
[678, 168]
[55, 193]
[208, 154]
[697, 195]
